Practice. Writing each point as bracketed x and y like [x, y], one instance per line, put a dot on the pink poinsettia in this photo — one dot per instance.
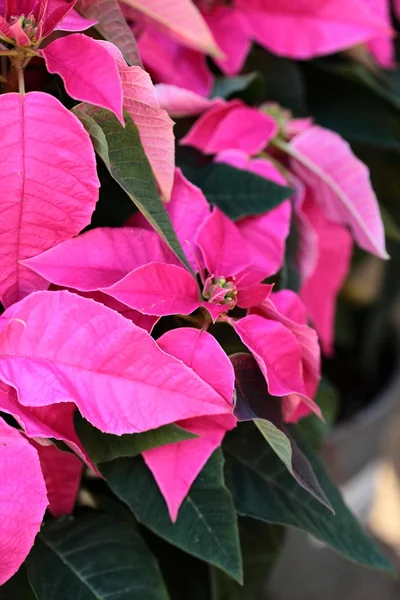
[295, 30]
[228, 267]
[59, 351]
[304, 30]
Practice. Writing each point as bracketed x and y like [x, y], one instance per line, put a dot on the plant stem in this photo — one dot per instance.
[21, 81]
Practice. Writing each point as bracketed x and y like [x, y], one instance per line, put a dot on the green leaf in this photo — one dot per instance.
[103, 447]
[122, 152]
[346, 106]
[285, 82]
[18, 587]
[236, 192]
[93, 558]
[254, 403]
[225, 87]
[262, 488]
[206, 526]
[112, 25]
[261, 545]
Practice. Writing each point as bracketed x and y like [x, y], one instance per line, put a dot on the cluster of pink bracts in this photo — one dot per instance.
[87, 344]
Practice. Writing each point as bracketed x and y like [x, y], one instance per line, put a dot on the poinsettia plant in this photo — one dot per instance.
[176, 226]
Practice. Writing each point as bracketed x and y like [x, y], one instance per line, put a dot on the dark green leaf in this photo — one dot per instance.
[93, 558]
[236, 192]
[18, 587]
[122, 152]
[225, 87]
[103, 447]
[284, 80]
[262, 488]
[254, 403]
[346, 106]
[206, 526]
[261, 544]
[114, 206]
[112, 25]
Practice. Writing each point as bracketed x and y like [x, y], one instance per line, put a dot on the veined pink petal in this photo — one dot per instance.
[230, 30]
[180, 102]
[265, 234]
[320, 287]
[100, 257]
[231, 126]
[49, 183]
[154, 125]
[75, 350]
[277, 352]
[53, 421]
[266, 237]
[285, 307]
[158, 289]
[170, 62]
[304, 30]
[23, 499]
[188, 209]
[146, 322]
[74, 21]
[176, 466]
[50, 13]
[222, 247]
[62, 472]
[84, 80]
[307, 248]
[253, 294]
[340, 182]
[183, 19]
[260, 166]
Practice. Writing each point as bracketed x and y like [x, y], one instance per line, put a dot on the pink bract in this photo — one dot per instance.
[231, 126]
[23, 499]
[162, 55]
[341, 184]
[62, 473]
[229, 29]
[182, 19]
[84, 80]
[180, 102]
[154, 125]
[73, 349]
[323, 277]
[304, 30]
[265, 234]
[50, 185]
[176, 466]
[286, 350]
